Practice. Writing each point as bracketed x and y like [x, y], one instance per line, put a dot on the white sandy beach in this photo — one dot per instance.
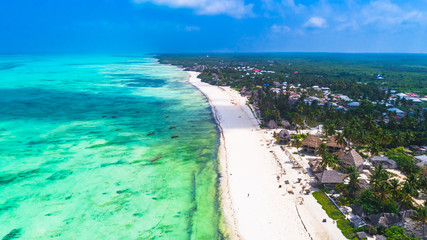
[254, 205]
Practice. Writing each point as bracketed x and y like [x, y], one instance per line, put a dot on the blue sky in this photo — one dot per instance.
[134, 26]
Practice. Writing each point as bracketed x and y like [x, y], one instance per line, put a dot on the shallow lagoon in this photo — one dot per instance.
[76, 161]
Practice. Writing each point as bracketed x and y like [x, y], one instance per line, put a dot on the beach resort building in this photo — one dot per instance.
[334, 146]
[311, 143]
[385, 161]
[352, 158]
[285, 124]
[284, 136]
[272, 124]
[315, 165]
[329, 178]
[398, 112]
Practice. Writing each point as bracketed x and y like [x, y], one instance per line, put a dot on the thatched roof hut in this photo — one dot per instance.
[312, 141]
[411, 227]
[285, 124]
[340, 153]
[385, 161]
[284, 136]
[361, 235]
[330, 177]
[334, 145]
[385, 219]
[246, 92]
[353, 158]
[272, 124]
[315, 166]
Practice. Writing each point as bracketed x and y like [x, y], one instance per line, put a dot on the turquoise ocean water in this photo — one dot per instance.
[76, 161]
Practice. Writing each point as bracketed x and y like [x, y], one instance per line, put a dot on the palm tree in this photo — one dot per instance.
[378, 176]
[413, 180]
[322, 149]
[395, 188]
[329, 129]
[410, 188]
[374, 147]
[421, 217]
[353, 175]
[339, 137]
[329, 160]
[382, 192]
[406, 200]
[399, 138]
[297, 143]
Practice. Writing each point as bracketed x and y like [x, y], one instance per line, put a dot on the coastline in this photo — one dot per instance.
[230, 231]
[254, 205]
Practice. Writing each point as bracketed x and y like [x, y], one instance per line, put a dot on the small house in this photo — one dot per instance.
[385, 161]
[285, 124]
[421, 158]
[353, 104]
[352, 158]
[311, 143]
[334, 146]
[284, 136]
[398, 112]
[386, 220]
[329, 178]
[272, 124]
[316, 166]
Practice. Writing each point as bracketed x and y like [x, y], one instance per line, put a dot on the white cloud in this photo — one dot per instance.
[315, 22]
[389, 15]
[280, 28]
[281, 8]
[233, 8]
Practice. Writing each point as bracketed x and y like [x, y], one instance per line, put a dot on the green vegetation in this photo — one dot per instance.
[349, 232]
[397, 233]
[334, 213]
[405, 162]
[282, 87]
[340, 72]
[351, 74]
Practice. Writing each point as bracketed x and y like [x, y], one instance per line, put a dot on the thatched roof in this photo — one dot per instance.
[315, 166]
[245, 92]
[329, 176]
[272, 124]
[411, 227]
[385, 219]
[361, 235]
[340, 153]
[285, 124]
[332, 142]
[312, 141]
[383, 160]
[284, 135]
[352, 158]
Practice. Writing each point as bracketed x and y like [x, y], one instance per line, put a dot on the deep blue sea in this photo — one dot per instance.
[86, 150]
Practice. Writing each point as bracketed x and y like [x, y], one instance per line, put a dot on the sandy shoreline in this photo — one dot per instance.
[251, 169]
